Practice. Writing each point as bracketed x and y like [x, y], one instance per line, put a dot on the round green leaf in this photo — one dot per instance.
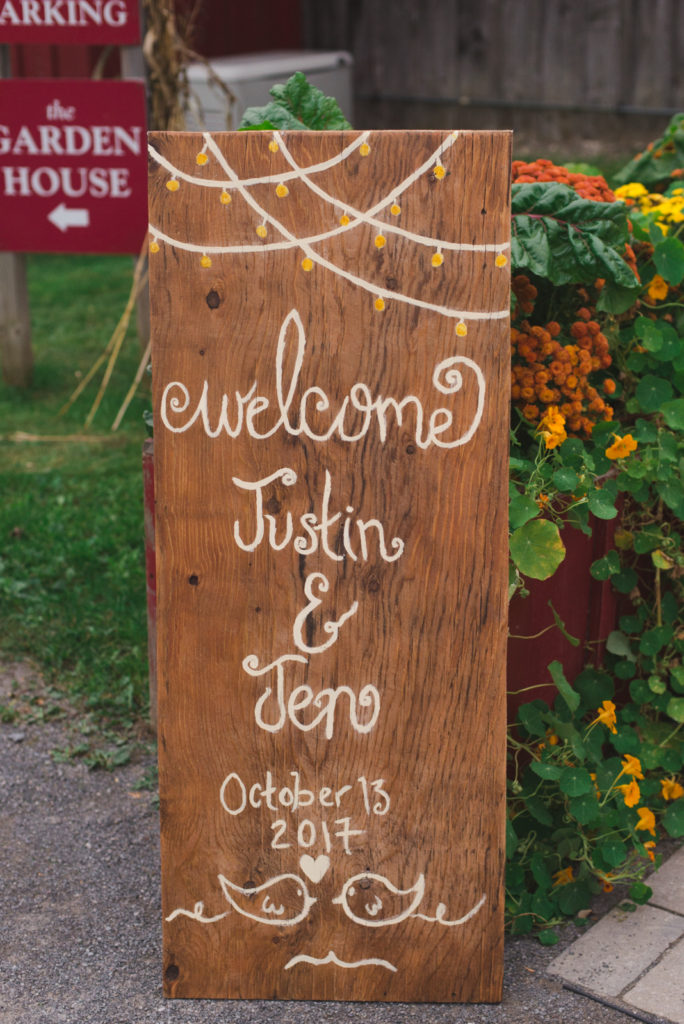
[521, 508]
[548, 937]
[673, 819]
[602, 504]
[575, 781]
[565, 479]
[652, 392]
[675, 708]
[537, 549]
[640, 892]
[613, 852]
[673, 413]
[668, 257]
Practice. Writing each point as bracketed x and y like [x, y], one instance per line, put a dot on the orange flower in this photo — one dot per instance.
[631, 766]
[563, 877]
[650, 847]
[631, 793]
[671, 789]
[646, 820]
[621, 447]
[606, 715]
[657, 289]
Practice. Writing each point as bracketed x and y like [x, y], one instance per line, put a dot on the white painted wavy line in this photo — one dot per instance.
[352, 278]
[358, 217]
[332, 958]
[197, 914]
[439, 917]
[230, 184]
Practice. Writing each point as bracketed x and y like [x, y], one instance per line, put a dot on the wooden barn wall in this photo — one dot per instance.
[568, 75]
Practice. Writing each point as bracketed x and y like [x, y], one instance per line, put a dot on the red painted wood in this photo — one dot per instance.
[73, 166]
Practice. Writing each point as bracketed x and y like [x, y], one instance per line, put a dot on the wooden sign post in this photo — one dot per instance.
[330, 354]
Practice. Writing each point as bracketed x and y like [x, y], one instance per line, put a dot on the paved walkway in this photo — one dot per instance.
[635, 960]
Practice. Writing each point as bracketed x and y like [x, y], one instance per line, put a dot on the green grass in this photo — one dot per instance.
[72, 578]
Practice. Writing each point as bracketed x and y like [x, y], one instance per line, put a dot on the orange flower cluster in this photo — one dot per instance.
[525, 292]
[545, 372]
[588, 186]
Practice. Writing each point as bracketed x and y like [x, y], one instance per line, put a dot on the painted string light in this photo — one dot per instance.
[349, 220]
[173, 184]
[282, 190]
[202, 157]
[225, 198]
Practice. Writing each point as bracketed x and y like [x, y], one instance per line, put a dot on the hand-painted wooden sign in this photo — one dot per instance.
[330, 359]
[73, 173]
[66, 22]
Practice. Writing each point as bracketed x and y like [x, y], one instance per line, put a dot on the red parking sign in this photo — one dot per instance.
[60, 22]
[73, 167]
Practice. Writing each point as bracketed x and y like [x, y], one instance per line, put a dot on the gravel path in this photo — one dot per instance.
[80, 919]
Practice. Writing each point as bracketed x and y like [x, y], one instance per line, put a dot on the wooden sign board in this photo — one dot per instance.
[330, 354]
[67, 22]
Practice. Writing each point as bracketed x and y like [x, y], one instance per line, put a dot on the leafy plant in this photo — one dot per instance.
[295, 105]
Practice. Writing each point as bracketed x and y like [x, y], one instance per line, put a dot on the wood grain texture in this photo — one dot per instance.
[402, 820]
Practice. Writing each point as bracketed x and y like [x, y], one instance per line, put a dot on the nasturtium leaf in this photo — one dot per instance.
[613, 852]
[575, 781]
[602, 504]
[656, 684]
[618, 643]
[530, 716]
[537, 549]
[653, 640]
[647, 540]
[605, 567]
[648, 333]
[652, 392]
[677, 678]
[521, 508]
[673, 413]
[511, 839]
[546, 771]
[671, 759]
[625, 581]
[548, 937]
[675, 708]
[584, 808]
[515, 876]
[640, 892]
[661, 560]
[538, 809]
[565, 479]
[574, 897]
[673, 819]
[668, 257]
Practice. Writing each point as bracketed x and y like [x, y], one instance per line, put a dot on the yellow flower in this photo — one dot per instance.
[606, 715]
[592, 776]
[621, 447]
[631, 766]
[646, 820]
[631, 793]
[650, 847]
[671, 789]
[552, 427]
[563, 877]
[658, 288]
[633, 190]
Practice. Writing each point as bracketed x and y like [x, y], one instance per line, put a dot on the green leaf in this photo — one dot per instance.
[548, 937]
[602, 504]
[653, 640]
[613, 852]
[606, 567]
[546, 771]
[668, 256]
[673, 413]
[298, 104]
[562, 237]
[521, 508]
[571, 698]
[675, 708]
[530, 716]
[511, 839]
[648, 333]
[673, 818]
[538, 809]
[652, 392]
[537, 549]
[540, 872]
[574, 897]
[575, 781]
[618, 643]
[565, 479]
[640, 892]
[584, 808]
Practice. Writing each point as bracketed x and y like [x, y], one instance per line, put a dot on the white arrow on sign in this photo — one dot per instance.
[64, 218]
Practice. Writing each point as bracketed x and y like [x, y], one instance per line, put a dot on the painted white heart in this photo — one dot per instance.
[314, 869]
